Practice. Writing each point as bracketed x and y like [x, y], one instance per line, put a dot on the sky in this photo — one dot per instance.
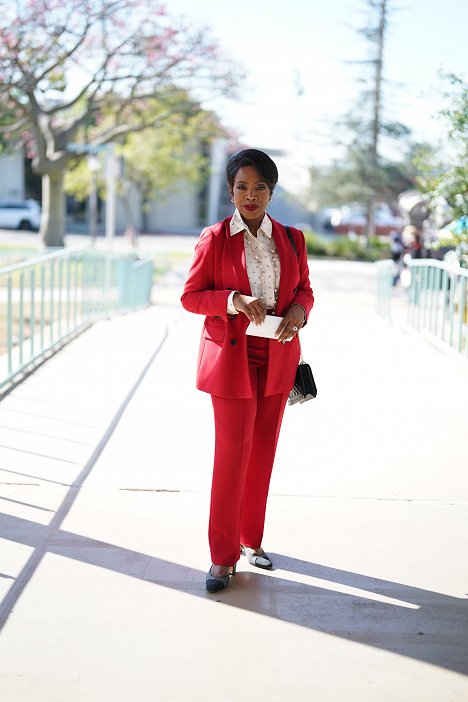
[283, 44]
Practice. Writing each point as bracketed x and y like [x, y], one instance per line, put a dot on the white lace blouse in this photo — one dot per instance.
[262, 261]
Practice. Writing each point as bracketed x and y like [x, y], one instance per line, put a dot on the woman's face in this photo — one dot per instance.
[251, 194]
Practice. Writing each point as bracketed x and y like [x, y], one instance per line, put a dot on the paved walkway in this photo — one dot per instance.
[105, 458]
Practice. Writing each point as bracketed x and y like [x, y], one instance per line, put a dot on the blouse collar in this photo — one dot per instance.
[237, 224]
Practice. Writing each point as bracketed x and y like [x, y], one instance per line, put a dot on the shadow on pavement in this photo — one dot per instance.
[420, 624]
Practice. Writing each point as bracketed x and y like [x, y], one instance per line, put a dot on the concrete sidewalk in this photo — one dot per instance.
[105, 458]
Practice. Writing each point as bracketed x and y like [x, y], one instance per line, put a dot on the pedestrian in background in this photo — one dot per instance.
[412, 239]
[397, 249]
[244, 269]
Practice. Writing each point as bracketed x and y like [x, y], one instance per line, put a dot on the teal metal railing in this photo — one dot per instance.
[438, 303]
[385, 273]
[48, 300]
[437, 299]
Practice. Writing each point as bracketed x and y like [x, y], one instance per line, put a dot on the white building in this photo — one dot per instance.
[12, 182]
[185, 208]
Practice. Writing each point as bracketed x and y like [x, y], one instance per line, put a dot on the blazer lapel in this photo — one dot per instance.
[285, 253]
[237, 268]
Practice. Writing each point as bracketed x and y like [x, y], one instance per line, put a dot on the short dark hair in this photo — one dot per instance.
[252, 157]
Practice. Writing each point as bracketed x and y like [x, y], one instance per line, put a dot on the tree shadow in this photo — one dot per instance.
[420, 624]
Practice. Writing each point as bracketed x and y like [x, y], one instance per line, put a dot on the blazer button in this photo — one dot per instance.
[233, 342]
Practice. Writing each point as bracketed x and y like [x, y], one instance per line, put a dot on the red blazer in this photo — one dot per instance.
[218, 268]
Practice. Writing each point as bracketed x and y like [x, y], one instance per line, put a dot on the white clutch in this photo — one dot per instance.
[266, 329]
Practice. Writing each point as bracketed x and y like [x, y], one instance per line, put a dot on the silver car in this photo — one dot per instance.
[20, 214]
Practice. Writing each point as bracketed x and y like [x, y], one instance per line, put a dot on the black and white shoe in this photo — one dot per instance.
[256, 557]
[216, 583]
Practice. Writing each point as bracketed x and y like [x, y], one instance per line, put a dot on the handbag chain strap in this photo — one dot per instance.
[290, 237]
[301, 358]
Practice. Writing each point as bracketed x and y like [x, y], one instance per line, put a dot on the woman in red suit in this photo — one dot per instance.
[245, 268]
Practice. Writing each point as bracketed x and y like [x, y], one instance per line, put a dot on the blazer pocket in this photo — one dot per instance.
[215, 331]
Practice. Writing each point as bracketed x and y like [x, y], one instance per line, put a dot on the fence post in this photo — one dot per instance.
[385, 272]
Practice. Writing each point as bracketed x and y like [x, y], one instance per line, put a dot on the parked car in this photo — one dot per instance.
[20, 214]
[325, 216]
[352, 218]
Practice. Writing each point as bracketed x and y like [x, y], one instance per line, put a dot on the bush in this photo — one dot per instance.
[316, 245]
[345, 248]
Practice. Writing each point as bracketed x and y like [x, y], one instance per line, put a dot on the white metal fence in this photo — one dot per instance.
[47, 300]
[437, 299]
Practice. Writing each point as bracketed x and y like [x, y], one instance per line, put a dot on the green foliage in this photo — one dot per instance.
[79, 71]
[316, 245]
[348, 180]
[447, 179]
[77, 180]
[334, 184]
[345, 248]
[363, 174]
[155, 159]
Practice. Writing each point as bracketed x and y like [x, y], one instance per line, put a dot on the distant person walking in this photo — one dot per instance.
[412, 239]
[397, 249]
[244, 269]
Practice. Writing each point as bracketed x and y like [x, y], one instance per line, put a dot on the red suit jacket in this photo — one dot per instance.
[218, 268]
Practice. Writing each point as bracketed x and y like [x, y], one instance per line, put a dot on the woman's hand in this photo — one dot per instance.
[253, 308]
[292, 321]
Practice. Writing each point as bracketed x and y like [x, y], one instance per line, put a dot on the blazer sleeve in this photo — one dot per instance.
[200, 294]
[304, 294]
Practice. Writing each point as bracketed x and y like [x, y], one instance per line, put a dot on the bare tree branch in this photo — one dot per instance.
[60, 60]
[12, 128]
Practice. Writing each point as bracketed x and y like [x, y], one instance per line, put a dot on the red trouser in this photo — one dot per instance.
[247, 433]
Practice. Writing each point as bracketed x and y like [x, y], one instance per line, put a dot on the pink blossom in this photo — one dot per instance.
[114, 63]
[10, 39]
[119, 23]
[169, 34]
[211, 50]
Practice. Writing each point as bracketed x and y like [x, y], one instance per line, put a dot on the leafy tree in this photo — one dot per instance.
[365, 152]
[363, 174]
[154, 160]
[76, 68]
[345, 180]
[446, 178]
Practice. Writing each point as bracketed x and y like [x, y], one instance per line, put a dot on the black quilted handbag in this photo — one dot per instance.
[304, 385]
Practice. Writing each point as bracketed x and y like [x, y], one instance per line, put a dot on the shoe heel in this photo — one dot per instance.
[234, 569]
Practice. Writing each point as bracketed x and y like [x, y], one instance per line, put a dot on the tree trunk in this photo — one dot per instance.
[376, 117]
[371, 208]
[52, 229]
[144, 212]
